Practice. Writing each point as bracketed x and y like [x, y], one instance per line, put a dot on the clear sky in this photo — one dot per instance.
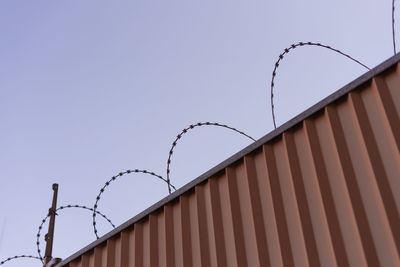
[92, 88]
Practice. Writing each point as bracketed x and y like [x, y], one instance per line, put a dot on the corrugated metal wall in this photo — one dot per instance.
[325, 192]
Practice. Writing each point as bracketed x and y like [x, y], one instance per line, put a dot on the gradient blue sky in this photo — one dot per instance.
[92, 88]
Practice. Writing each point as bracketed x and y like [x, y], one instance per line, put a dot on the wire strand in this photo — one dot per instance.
[58, 209]
[113, 179]
[192, 126]
[18, 257]
[286, 51]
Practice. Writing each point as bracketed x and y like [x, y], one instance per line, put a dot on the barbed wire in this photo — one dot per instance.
[18, 257]
[192, 126]
[61, 208]
[113, 179]
[179, 136]
[293, 46]
[394, 39]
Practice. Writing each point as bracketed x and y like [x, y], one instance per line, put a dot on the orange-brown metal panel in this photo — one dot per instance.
[323, 192]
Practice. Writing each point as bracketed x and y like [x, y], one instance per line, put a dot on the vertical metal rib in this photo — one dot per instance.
[284, 241]
[354, 191]
[217, 223]
[202, 224]
[124, 249]
[389, 108]
[153, 232]
[138, 231]
[169, 236]
[186, 236]
[236, 217]
[305, 217]
[326, 194]
[98, 257]
[85, 260]
[110, 253]
[258, 220]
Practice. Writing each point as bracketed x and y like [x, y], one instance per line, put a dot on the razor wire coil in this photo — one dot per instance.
[184, 131]
[286, 51]
[19, 257]
[62, 208]
[113, 178]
